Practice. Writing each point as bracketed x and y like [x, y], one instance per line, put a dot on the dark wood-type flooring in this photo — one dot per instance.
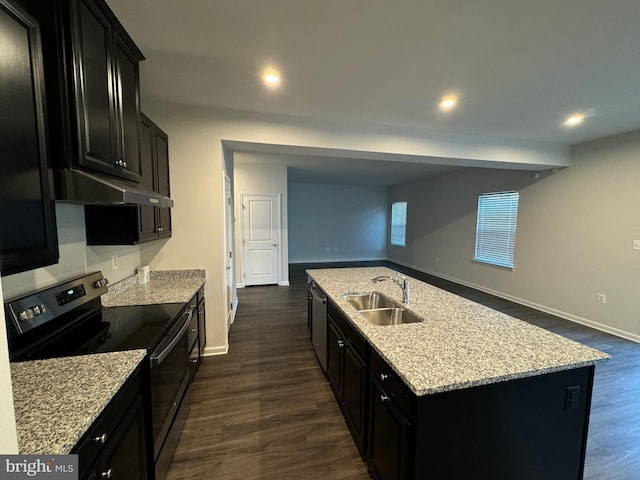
[265, 410]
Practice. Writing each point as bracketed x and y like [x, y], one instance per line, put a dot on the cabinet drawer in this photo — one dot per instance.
[94, 441]
[351, 335]
[402, 395]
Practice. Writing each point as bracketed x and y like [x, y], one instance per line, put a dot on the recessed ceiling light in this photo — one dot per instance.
[271, 78]
[573, 120]
[448, 102]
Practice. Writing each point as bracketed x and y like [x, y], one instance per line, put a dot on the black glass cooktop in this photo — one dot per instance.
[109, 330]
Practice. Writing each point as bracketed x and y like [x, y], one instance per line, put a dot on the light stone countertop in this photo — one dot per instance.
[57, 400]
[164, 286]
[460, 344]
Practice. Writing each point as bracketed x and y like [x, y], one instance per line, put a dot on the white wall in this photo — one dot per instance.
[574, 234]
[250, 176]
[197, 137]
[337, 222]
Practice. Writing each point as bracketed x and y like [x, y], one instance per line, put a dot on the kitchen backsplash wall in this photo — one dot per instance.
[76, 258]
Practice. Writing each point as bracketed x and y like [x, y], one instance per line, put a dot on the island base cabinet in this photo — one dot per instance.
[389, 437]
[526, 429]
[348, 372]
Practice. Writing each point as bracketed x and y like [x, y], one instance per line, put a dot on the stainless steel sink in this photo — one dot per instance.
[369, 300]
[379, 309]
[389, 316]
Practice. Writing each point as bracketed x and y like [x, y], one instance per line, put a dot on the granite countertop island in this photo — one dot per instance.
[460, 343]
[164, 286]
[57, 400]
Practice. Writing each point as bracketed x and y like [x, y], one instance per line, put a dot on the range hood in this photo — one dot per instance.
[80, 186]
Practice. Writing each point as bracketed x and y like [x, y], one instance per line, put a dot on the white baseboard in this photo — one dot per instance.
[543, 308]
[217, 350]
[337, 260]
[281, 284]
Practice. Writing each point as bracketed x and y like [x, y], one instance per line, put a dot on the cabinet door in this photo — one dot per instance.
[94, 87]
[389, 437]
[147, 214]
[125, 455]
[127, 111]
[28, 234]
[335, 354]
[107, 103]
[162, 183]
[354, 391]
[202, 329]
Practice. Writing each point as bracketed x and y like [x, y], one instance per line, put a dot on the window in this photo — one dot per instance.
[496, 228]
[398, 223]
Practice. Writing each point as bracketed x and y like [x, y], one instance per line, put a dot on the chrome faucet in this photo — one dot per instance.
[401, 281]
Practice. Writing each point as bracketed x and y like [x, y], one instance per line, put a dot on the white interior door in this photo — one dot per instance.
[261, 239]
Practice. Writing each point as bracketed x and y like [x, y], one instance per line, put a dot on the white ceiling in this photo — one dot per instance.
[519, 67]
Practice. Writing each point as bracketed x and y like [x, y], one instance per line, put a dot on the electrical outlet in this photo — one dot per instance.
[114, 262]
[636, 244]
[601, 298]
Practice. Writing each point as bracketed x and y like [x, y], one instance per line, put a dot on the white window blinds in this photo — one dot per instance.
[398, 223]
[496, 228]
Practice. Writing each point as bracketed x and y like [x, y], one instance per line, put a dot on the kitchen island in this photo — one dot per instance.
[468, 392]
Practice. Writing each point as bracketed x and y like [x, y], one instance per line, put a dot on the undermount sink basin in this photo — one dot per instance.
[369, 300]
[389, 316]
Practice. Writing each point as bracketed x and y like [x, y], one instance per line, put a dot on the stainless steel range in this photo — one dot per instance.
[68, 319]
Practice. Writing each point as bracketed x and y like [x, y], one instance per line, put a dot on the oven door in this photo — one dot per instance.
[169, 378]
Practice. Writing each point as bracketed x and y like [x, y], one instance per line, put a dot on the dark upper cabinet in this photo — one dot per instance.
[128, 225]
[28, 237]
[105, 105]
[155, 157]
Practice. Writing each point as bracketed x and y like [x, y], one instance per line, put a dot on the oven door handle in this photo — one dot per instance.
[157, 358]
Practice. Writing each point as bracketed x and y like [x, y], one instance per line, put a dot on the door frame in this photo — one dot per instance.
[278, 198]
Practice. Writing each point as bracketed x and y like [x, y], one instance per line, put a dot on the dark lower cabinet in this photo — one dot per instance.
[335, 359]
[348, 373]
[525, 429]
[202, 321]
[118, 444]
[124, 455]
[389, 436]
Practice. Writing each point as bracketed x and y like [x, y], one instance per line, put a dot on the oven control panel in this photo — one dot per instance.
[71, 294]
[39, 307]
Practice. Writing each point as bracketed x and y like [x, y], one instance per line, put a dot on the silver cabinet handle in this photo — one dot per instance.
[384, 376]
[101, 439]
[384, 398]
[160, 229]
[195, 360]
[194, 330]
[340, 343]
[124, 164]
[107, 474]
[274, 244]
